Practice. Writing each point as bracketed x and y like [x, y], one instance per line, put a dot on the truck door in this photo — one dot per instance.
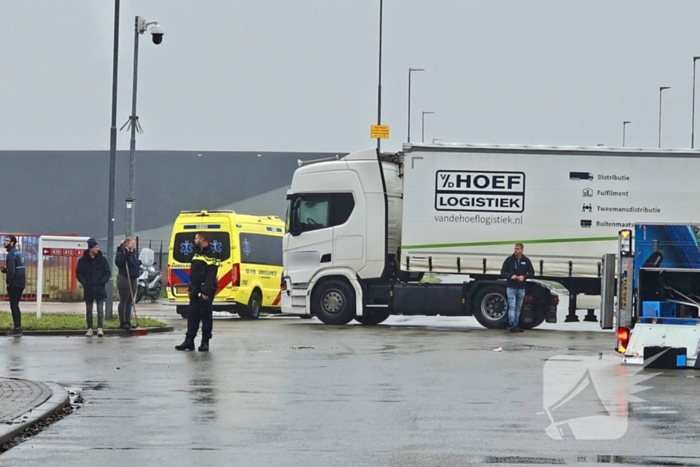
[310, 235]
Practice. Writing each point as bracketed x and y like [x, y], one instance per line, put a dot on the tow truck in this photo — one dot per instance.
[656, 278]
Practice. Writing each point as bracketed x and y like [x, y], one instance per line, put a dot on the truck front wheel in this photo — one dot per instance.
[333, 302]
[491, 307]
[373, 317]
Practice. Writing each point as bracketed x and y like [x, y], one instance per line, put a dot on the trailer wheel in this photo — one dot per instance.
[333, 302]
[491, 307]
[373, 317]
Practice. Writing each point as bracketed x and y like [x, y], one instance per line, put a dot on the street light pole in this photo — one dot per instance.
[112, 160]
[423, 125]
[410, 70]
[692, 131]
[661, 89]
[379, 89]
[623, 131]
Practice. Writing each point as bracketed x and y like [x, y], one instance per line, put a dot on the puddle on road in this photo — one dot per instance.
[202, 393]
[600, 459]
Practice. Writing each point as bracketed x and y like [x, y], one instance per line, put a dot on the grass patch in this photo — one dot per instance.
[67, 322]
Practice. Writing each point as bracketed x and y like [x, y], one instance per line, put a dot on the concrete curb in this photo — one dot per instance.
[58, 400]
[108, 332]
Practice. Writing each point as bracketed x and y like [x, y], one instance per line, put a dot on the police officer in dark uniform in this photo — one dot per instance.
[203, 285]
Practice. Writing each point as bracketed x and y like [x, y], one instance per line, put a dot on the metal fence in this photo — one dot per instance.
[160, 250]
[60, 282]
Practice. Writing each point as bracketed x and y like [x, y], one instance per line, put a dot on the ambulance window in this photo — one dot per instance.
[183, 247]
[261, 249]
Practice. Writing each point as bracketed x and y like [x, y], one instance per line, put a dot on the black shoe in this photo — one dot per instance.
[126, 327]
[204, 347]
[16, 332]
[132, 326]
[512, 329]
[517, 329]
[186, 345]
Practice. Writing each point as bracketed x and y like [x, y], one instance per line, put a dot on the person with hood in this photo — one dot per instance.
[16, 277]
[93, 273]
[127, 280]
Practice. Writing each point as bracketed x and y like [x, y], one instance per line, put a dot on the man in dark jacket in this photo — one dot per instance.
[16, 277]
[202, 289]
[516, 269]
[93, 273]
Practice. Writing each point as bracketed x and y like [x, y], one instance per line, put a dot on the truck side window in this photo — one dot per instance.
[342, 205]
[320, 211]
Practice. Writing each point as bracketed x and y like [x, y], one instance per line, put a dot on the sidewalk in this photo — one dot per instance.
[156, 310]
[24, 403]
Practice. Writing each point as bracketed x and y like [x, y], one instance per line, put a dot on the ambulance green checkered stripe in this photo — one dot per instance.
[508, 242]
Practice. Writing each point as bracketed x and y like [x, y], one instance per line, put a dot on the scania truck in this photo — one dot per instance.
[362, 231]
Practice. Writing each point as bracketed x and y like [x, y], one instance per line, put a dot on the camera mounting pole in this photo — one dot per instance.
[141, 25]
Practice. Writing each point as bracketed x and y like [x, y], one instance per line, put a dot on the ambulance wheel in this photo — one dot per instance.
[371, 318]
[333, 302]
[252, 311]
[491, 307]
[183, 310]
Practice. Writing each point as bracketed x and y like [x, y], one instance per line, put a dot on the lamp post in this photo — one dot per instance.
[379, 87]
[692, 131]
[423, 125]
[410, 70]
[623, 131]
[141, 25]
[661, 90]
[112, 159]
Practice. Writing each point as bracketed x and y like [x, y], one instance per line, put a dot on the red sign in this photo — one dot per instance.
[62, 252]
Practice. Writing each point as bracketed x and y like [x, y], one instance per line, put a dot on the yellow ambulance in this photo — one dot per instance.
[251, 260]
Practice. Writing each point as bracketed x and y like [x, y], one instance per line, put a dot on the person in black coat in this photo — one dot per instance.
[93, 273]
[127, 279]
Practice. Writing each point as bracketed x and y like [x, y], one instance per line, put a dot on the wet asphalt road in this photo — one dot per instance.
[292, 392]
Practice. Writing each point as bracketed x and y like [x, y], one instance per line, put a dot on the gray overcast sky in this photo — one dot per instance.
[301, 75]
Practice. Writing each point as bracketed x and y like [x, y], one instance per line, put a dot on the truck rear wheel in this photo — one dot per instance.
[333, 302]
[372, 317]
[491, 307]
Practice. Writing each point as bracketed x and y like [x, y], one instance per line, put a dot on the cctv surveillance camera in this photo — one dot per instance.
[157, 32]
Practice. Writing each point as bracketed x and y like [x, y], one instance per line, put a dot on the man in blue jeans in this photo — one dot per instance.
[516, 269]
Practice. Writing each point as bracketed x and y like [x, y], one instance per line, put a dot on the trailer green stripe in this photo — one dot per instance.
[508, 242]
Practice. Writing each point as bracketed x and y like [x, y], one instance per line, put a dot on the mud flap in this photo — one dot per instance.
[526, 315]
[669, 358]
